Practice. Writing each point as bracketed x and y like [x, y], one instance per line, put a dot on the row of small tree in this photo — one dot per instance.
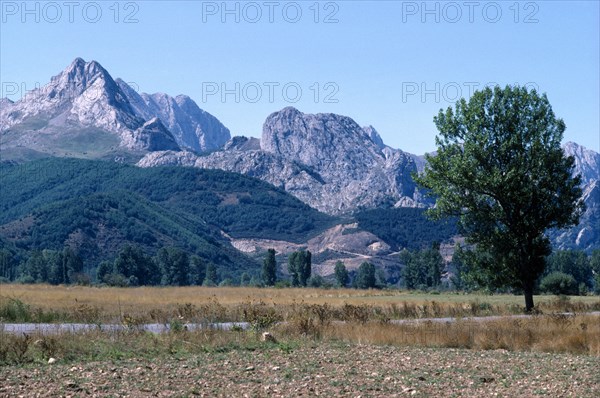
[44, 266]
[170, 266]
[299, 267]
[566, 272]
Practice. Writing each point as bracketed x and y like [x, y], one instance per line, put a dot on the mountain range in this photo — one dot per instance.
[84, 112]
[326, 160]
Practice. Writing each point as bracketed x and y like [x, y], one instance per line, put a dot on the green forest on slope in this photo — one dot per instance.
[405, 228]
[98, 207]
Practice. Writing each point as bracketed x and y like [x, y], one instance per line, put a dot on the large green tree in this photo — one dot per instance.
[500, 168]
[175, 266]
[365, 276]
[299, 267]
[341, 274]
[269, 268]
[422, 268]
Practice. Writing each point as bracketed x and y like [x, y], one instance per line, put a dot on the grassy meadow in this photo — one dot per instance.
[329, 342]
[110, 303]
[349, 315]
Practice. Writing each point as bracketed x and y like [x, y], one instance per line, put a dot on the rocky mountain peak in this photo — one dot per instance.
[326, 160]
[324, 140]
[77, 62]
[85, 97]
[374, 136]
[184, 100]
[80, 75]
[191, 126]
[81, 67]
[587, 162]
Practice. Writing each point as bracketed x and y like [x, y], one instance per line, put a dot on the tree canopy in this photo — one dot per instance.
[269, 268]
[422, 268]
[341, 274]
[365, 276]
[299, 267]
[500, 169]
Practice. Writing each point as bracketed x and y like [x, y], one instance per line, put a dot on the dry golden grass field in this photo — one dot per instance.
[142, 300]
[326, 342]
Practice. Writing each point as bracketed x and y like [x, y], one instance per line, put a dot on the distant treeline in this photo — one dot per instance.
[568, 272]
[170, 266]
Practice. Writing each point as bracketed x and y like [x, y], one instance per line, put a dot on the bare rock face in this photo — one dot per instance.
[587, 162]
[374, 136]
[169, 158]
[355, 168]
[83, 103]
[326, 142]
[242, 144]
[209, 132]
[152, 136]
[326, 160]
[192, 127]
[586, 235]
[84, 95]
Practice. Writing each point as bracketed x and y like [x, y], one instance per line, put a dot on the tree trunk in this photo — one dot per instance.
[528, 291]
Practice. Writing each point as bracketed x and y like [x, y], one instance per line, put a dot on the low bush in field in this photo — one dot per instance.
[15, 310]
[559, 283]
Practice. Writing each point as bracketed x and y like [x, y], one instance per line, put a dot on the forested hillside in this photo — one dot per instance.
[98, 207]
[405, 227]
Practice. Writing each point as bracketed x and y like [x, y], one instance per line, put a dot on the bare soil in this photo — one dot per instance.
[315, 369]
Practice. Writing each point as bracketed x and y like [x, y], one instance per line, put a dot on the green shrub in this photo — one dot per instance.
[597, 284]
[559, 283]
[14, 310]
[26, 280]
[282, 284]
[316, 281]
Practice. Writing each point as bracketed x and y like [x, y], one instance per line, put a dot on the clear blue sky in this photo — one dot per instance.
[391, 64]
